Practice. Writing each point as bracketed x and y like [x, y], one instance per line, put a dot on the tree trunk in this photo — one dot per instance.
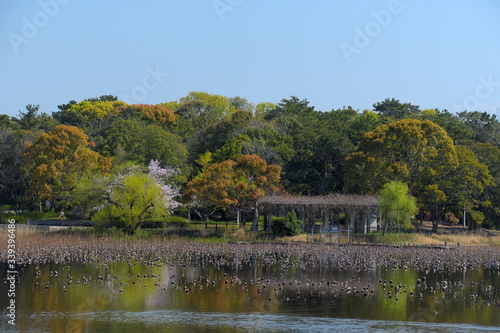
[243, 219]
[323, 182]
[385, 225]
[379, 221]
[435, 221]
[255, 223]
[266, 221]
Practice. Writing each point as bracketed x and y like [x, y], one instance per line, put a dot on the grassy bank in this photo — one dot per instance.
[216, 232]
[239, 235]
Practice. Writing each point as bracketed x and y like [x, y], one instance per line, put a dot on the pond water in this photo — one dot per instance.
[258, 294]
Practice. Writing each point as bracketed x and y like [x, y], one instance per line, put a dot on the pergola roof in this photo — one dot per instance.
[347, 202]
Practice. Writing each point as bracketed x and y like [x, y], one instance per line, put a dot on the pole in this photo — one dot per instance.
[464, 214]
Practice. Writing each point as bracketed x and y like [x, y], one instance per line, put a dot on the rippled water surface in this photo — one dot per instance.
[251, 295]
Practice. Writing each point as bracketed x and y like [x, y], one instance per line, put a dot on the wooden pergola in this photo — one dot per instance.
[361, 211]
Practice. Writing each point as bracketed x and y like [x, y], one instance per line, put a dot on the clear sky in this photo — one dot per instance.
[435, 54]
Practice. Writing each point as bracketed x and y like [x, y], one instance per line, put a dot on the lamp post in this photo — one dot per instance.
[465, 202]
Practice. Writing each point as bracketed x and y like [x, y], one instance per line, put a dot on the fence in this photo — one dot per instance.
[328, 234]
[61, 223]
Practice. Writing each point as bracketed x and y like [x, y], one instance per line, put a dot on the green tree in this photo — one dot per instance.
[470, 178]
[321, 142]
[241, 104]
[394, 109]
[458, 131]
[140, 141]
[489, 200]
[6, 122]
[396, 205]
[27, 119]
[267, 142]
[263, 108]
[222, 135]
[363, 123]
[485, 126]
[13, 181]
[199, 109]
[31, 120]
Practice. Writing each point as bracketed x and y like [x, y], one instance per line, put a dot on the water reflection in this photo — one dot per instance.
[236, 295]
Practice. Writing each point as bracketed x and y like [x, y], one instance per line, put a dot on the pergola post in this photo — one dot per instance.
[358, 209]
[366, 223]
[355, 221]
[303, 217]
[266, 220]
[326, 217]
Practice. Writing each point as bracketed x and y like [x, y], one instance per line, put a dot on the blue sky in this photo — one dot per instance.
[435, 54]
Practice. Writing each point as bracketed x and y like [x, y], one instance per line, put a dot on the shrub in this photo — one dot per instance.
[287, 226]
[451, 218]
[488, 224]
[176, 219]
[22, 218]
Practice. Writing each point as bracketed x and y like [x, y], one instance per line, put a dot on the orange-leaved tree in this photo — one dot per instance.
[56, 160]
[239, 184]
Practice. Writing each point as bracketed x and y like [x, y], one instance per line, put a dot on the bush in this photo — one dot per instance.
[287, 226]
[22, 218]
[176, 219]
[489, 224]
[451, 218]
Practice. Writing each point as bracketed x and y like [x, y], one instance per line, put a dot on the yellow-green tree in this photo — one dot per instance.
[56, 160]
[415, 152]
[489, 155]
[198, 110]
[123, 199]
[470, 180]
[95, 111]
[396, 205]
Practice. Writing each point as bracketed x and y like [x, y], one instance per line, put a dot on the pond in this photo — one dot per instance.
[258, 288]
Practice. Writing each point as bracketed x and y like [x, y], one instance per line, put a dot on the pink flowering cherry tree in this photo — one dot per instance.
[163, 176]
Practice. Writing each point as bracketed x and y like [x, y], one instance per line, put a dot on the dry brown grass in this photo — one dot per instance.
[420, 239]
[237, 234]
[298, 238]
[454, 239]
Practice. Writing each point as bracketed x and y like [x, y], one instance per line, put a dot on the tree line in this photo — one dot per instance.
[104, 159]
